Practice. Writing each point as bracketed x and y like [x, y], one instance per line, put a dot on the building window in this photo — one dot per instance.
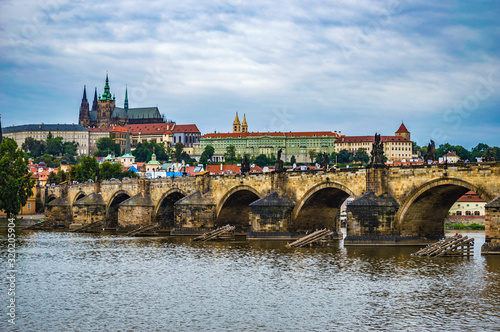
[459, 213]
[476, 213]
[468, 213]
[29, 206]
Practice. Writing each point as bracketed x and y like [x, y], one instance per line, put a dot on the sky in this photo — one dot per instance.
[358, 67]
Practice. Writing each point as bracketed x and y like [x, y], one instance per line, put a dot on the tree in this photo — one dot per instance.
[293, 160]
[70, 150]
[478, 151]
[203, 159]
[110, 171]
[209, 152]
[86, 170]
[361, 156]
[179, 148]
[105, 146]
[144, 151]
[262, 160]
[230, 155]
[34, 148]
[54, 145]
[344, 156]
[312, 155]
[15, 178]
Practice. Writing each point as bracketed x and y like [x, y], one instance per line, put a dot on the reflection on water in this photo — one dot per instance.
[84, 282]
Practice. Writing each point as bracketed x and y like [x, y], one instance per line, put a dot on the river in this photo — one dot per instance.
[85, 282]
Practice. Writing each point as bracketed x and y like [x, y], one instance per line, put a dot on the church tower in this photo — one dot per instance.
[236, 124]
[244, 125]
[106, 106]
[84, 118]
[403, 132]
[94, 103]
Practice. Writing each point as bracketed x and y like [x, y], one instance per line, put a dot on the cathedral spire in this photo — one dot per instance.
[236, 124]
[94, 103]
[127, 142]
[106, 95]
[84, 93]
[244, 125]
[84, 116]
[126, 100]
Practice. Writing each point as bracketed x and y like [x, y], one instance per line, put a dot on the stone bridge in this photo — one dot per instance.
[394, 205]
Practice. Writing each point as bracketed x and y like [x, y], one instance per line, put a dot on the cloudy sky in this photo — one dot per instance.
[358, 67]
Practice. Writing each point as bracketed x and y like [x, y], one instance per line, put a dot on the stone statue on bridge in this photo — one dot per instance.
[377, 152]
[97, 175]
[245, 165]
[325, 160]
[431, 152]
[278, 166]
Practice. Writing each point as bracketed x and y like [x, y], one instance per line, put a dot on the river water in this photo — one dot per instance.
[85, 282]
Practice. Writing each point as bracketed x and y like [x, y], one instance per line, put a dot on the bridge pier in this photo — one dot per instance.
[194, 213]
[135, 212]
[270, 215]
[87, 210]
[492, 228]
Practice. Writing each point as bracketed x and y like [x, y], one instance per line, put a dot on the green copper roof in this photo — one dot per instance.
[106, 95]
[127, 155]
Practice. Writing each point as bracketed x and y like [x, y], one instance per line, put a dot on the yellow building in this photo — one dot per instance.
[396, 148]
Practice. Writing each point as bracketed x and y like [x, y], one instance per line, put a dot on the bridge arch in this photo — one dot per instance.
[78, 196]
[51, 198]
[112, 207]
[319, 207]
[423, 212]
[164, 209]
[233, 207]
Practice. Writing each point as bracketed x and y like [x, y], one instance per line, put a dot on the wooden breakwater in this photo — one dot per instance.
[221, 233]
[316, 238]
[456, 245]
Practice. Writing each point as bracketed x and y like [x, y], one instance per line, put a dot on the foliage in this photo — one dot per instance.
[312, 155]
[54, 145]
[51, 161]
[207, 154]
[34, 148]
[179, 148]
[262, 160]
[15, 179]
[105, 146]
[109, 171]
[144, 151]
[471, 226]
[361, 156]
[85, 171]
[344, 156]
[230, 155]
[293, 160]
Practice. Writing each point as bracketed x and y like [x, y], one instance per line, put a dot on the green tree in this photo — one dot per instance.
[344, 156]
[86, 170]
[144, 151]
[105, 146]
[230, 155]
[293, 160]
[70, 150]
[54, 145]
[179, 148]
[34, 148]
[361, 156]
[478, 151]
[15, 178]
[203, 159]
[262, 160]
[110, 171]
[312, 155]
[209, 152]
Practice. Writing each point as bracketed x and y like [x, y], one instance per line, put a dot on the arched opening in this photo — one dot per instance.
[51, 198]
[320, 209]
[78, 196]
[234, 209]
[165, 211]
[112, 213]
[424, 214]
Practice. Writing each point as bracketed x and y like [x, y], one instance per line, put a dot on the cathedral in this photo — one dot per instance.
[105, 113]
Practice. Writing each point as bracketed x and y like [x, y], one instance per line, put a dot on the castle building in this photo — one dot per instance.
[297, 144]
[396, 148]
[105, 113]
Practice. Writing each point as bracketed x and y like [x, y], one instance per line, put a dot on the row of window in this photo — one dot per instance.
[469, 213]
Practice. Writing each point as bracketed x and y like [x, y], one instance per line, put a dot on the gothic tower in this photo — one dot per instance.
[403, 132]
[244, 125]
[84, 118]
[236, 124]
[94, 103]
[106, 106]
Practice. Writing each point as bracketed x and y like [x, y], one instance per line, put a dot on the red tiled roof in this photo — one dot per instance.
[119, 129]
[99, 129]
[188, 128]
[402, 129]
[450, 154]
[151, 128]
[257, 134]
[360, 139]
[470, 196]
[256, 169]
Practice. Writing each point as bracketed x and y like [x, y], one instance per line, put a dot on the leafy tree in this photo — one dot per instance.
[333, 157]
[344, 156]
[361, 156]
[312, 155]
[51, 161]
[262, 160]
[70, 150]
[179, 148]
[144, 151]
[33, 147]
[478, 151]
[293, 160]
[230, 155]
[203, 159]
[209, 152]
[54, 145]
[109, 171]
[15, 179]
[105, 146]
[85, 171]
